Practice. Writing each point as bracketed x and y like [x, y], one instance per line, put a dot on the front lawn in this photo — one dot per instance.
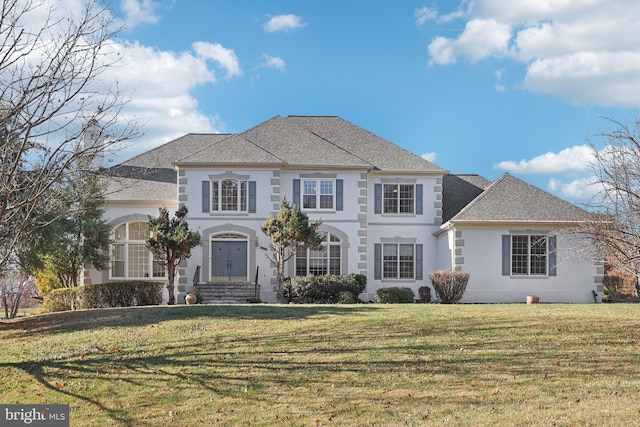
[382, 365]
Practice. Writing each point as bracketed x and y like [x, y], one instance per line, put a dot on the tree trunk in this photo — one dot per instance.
[171, 273]
[16, 305]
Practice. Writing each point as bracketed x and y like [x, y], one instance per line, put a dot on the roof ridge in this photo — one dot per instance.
[277, 116]
[330, 142]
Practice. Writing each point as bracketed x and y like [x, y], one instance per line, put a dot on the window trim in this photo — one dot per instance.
[318, 194]
[125, 243]
[529, 256]
[216, 190]
[398, 261]
[398, 199]
[326, 247]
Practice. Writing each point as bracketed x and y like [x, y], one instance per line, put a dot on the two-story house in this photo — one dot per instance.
[386, 213]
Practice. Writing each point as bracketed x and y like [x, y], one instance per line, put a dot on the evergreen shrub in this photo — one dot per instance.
[395, 295]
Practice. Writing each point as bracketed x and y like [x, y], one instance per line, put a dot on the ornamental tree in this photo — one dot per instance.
[171, 242]
[289, 231]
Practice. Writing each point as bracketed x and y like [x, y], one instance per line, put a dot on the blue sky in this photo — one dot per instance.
[477, 86]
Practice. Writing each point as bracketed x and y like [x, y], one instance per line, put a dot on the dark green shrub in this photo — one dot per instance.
[394, 295]
[449, 285]
[424, 292]
[101, 295]
[327, 289]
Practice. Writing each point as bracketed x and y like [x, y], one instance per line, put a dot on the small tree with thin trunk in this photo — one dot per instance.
[171, 242]
[289, 231]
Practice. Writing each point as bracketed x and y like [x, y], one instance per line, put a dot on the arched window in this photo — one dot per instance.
[326, 260]
[130, 258]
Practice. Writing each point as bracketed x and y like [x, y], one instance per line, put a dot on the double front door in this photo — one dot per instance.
[229, 260]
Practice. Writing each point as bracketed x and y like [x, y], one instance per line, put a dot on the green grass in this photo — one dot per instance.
[330, 365]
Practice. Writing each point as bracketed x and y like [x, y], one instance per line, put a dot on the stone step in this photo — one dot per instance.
[227, 292]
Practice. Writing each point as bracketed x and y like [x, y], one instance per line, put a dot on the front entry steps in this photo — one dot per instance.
[227, 292]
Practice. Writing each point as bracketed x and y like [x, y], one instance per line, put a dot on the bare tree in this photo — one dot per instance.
[615, 227]
[15, 292]
[52, 61]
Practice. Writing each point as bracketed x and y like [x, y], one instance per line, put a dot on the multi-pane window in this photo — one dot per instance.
[529, 254]
[318, 194]
[129, 256]
[398, 261]
[398, 198]
[229, 195]
[326, 260]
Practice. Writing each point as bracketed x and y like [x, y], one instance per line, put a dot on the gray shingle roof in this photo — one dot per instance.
[458, 191]
[295, 141]
[150, 175]
[298, 147]
[120, 188]
[509, 199]
[164, 155]
[376, 151]
[233, 149]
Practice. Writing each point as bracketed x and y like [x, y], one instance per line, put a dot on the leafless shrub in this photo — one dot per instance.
[449, 285]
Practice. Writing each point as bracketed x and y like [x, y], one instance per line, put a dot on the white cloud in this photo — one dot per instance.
[578, 190]
[273, 62]
[499, 74]
[139, 12]
[159, 85]
[283, 23]
[442, 52]
[570, 161]
[430, 157]
[483, 37]
[424, 14]
[226, 58]
[584, 51]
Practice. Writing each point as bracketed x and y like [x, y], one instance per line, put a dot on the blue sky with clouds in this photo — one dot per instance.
[477, 86]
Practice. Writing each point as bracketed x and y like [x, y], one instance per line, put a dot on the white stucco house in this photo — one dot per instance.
[386, 213]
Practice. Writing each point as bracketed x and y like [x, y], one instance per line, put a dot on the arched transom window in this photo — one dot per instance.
[326, 260]
[130, 258]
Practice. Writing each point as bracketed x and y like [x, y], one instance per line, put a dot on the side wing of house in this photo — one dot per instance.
[516, 240]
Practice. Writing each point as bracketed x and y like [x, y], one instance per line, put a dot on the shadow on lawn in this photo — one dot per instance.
[139, 316]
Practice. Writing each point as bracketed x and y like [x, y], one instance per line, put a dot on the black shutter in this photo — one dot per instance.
[377, 261]
[206, 196]
[296, 192]
[377, 206]
[506, 254]
[252, 197]
[553, 256]
[339, 196]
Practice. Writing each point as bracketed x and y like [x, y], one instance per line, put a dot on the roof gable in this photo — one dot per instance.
[299, 147]
[509, 199]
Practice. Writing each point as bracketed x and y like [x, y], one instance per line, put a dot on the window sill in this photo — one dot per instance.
[228, 213]
[396, 215]
[529, 276]
[318, 211]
